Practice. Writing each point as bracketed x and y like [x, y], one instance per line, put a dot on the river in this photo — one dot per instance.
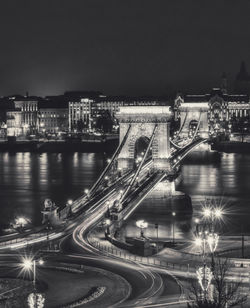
[27, 179]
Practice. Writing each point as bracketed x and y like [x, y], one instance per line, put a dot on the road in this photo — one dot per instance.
[147, 284]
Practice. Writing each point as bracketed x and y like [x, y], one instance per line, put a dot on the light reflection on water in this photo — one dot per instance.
[227, 180]
[27, 179]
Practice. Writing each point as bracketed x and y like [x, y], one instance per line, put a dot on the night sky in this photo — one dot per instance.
[133, 47]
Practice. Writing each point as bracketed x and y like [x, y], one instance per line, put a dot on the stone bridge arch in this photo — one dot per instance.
[140, 145]
[143, 120]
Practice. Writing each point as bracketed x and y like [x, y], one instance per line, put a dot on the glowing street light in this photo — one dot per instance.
[142, 224]
[108, 208]
[206, 212]
[212, 213]
[173, 223]
[107, 224]
[70, 202]
[21, 222]
[197, 220]
[198, 241]
[218, 213]
[27, 264]
[30, 265]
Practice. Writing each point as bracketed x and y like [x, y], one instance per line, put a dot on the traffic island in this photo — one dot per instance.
[65, 285]
[14, 292]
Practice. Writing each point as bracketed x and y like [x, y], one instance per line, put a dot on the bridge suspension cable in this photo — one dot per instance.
[158, 178]
[105, 171]
[180, 130]
[197, 127]
[188, 149]
[196, 131]
[139, 167]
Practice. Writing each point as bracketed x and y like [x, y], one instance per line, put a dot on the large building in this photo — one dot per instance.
[80, 109]
[53, 115]
[80, 115]
[111, 105]
[22, 116]
[214, 113]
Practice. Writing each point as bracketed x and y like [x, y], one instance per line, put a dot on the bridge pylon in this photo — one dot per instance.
[143, 120]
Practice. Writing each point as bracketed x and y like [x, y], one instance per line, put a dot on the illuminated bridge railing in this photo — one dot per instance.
[180, 155]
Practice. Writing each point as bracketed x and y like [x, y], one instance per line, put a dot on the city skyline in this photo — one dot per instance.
[142, 47]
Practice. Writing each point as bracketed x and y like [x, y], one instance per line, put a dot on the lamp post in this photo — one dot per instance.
[30, 265]
[108, 223]
[108, 209]
[142, 224]
[35, 300]
[212, 214]
[157, 234]
[173, 223]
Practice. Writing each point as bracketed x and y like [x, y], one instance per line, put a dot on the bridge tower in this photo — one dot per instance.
[145, 122]
[193, 112]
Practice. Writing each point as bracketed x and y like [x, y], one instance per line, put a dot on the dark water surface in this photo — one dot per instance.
[27, 179]
[225, 181]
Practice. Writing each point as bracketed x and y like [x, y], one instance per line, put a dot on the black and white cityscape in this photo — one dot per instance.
[124, 154]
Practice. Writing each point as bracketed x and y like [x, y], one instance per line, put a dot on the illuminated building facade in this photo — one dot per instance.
[22, 117]
[80, 115]
[14, 123]
[214, 113]
[29, 114]
[53, 120]
[107, 103]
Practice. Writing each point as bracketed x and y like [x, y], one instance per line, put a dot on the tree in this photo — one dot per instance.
[222, 293]
[105, 122]
[80, 125]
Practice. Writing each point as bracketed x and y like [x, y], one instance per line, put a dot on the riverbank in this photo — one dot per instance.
[231, 147]
[60, 146]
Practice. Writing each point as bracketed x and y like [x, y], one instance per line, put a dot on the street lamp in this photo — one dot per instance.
[21, 222]
[212, 214]
[35, 300]
[30, 265]
[70, 202]
[173, 223]
[157, 234]
[86, 191]
[197, 220]
[108, 223]
[108, 209]
[142, 224]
